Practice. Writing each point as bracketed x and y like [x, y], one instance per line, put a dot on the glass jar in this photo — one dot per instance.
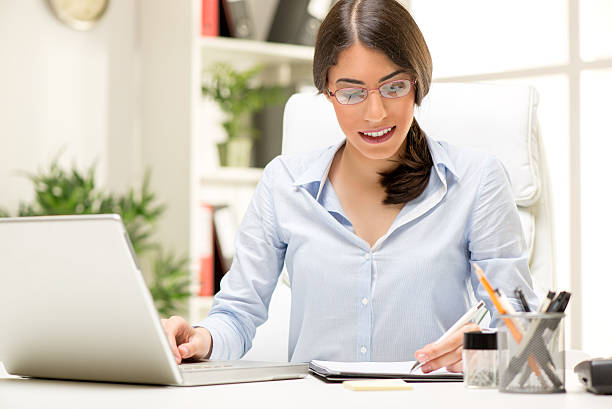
[480, 359]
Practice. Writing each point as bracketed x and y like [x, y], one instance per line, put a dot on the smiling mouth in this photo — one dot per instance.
[379, 136]
[378, 133]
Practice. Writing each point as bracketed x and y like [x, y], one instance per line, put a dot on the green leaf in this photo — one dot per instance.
[239, 96]
[170, 283]
[71, 191]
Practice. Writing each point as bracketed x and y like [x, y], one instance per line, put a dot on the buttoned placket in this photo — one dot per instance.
[364, 306]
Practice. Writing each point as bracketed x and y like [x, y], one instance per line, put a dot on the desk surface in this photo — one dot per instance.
[303, 393]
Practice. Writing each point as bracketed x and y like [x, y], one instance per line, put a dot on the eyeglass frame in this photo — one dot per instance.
[333, 94]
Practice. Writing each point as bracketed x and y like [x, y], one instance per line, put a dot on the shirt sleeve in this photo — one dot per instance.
[496, 242]
[246, 289]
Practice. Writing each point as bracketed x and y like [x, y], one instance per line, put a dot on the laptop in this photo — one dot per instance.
[74, 305]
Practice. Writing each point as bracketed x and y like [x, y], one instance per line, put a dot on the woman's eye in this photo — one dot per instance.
[353, 92]
[397, 86]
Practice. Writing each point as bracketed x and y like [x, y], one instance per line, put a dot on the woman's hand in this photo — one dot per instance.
[445, 354]
[186, 341]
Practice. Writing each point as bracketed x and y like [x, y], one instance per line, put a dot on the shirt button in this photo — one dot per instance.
[367, 256]
[364, 301]
[364, 350]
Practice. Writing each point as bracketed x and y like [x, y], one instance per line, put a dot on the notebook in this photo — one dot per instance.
[74, 305]
[334, 371]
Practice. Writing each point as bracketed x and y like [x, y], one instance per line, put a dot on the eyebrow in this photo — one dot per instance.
[386, 77]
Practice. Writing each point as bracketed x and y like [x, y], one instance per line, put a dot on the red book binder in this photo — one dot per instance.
[210, 18]
[206, 252]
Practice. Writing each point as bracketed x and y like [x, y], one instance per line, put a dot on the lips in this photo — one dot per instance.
[378, 135]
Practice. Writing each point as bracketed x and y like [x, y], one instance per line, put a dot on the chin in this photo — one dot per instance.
[384, 151]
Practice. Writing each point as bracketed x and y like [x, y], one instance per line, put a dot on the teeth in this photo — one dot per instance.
[379, 133]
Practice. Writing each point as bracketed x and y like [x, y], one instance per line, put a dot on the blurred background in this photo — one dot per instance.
[134, 86]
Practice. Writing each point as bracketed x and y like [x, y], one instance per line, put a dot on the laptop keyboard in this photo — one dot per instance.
[204, 366]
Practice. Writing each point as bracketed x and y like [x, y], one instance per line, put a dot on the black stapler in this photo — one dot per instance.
[596, 374]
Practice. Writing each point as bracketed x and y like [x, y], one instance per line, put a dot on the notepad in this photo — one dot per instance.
[335, 371]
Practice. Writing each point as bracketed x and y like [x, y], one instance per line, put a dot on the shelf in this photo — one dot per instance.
[237, 50]
[233, 176]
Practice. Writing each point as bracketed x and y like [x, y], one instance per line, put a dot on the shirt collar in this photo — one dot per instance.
[316, 174]
[440, 157]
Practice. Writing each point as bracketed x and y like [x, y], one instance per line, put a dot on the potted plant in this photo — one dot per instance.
[239, 97]
[58, 191]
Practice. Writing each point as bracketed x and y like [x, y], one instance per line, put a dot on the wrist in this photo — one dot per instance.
[207, 342]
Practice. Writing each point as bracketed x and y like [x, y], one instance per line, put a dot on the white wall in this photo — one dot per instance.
[70, 91]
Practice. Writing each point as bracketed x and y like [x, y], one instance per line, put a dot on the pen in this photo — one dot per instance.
[465, 318]
[521, 296]
[516, 334]
[559, 303]
[509, 308]
[481, 317]
[504, 302]
[546, 302]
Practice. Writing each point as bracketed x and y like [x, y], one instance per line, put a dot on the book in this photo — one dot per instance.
[220, 266]
[334, 371]
[225, 227]
[210, 18]
[297, 21]
[206, 275]
[238, 18]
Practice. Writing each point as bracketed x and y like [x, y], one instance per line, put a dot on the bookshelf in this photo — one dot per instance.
[235, 50]
[180, 131]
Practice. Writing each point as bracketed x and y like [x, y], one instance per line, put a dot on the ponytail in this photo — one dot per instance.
[409, 179]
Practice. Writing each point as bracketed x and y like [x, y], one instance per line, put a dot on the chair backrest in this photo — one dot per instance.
[500, 119]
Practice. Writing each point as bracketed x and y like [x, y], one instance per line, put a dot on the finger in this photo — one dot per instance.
[437, 349]
[445, 360]
[174, 329]
[456, 367]
[192, 347]
[198, 346]
[431, 352]
[186, 350]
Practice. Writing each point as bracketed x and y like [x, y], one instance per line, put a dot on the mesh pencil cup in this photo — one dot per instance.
[480, 359]
[531, 353]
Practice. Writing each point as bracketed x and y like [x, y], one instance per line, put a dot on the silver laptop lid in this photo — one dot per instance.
[74, 304]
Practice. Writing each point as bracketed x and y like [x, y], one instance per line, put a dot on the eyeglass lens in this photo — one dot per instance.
[393, 89]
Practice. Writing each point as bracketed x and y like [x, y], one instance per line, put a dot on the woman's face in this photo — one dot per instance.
[363, 123]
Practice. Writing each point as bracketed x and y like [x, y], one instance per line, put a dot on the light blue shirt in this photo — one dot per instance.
[353, 302]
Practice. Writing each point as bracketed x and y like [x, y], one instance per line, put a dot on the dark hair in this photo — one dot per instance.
[383, 25]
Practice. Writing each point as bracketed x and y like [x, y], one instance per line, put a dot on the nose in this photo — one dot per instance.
[375, 108]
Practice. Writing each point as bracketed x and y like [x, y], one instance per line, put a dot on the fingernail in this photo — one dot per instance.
[421, 357]
[426, 368]
[183, 350]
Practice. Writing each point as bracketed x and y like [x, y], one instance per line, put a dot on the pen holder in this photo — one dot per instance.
[531, 353]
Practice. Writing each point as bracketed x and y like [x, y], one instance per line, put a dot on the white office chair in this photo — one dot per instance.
[500, 119]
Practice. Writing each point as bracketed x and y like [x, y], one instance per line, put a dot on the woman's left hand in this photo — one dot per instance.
[447, 353]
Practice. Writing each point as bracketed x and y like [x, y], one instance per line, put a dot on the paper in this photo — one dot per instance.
[398, 369]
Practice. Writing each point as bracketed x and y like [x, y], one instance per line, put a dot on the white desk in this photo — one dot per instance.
[307, 393]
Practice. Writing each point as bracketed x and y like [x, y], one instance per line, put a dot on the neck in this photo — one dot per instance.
[363, 171]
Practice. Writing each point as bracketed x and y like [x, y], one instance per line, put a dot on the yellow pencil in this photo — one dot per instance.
[513, 330]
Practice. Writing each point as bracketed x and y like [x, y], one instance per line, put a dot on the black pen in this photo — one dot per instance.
[519, 294]
[546, 303]
[559, 303]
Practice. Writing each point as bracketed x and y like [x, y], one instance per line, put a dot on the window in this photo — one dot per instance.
[562, 48]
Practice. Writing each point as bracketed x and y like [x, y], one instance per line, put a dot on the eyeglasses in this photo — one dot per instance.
[391, 89]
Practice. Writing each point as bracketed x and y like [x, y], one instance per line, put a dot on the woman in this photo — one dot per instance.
[378, 232]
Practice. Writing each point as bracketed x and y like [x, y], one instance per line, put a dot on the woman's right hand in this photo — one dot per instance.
[187, 341]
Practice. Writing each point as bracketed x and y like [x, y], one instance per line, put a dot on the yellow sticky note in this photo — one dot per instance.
[377, 385]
